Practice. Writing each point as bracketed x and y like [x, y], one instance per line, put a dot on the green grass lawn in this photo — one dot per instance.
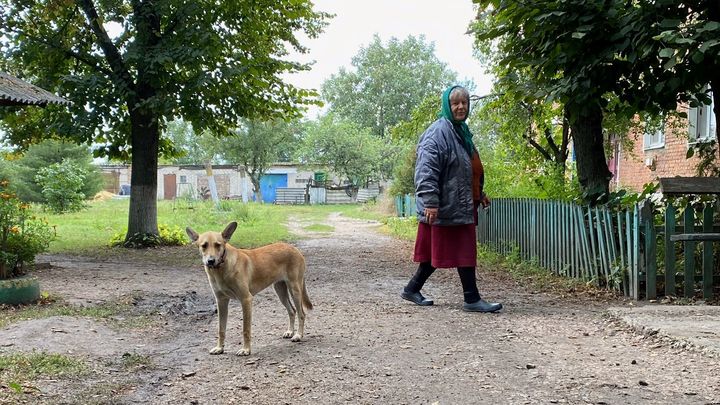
[258, 224]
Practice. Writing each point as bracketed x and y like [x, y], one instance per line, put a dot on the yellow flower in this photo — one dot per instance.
[15, 230]
[4, 183]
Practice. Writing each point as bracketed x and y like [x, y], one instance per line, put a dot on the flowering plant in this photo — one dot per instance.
[22, 235]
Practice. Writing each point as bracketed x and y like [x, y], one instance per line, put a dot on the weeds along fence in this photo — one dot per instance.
[627, 250]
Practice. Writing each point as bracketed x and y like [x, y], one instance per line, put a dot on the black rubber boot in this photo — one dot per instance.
[473, 302]
[470, 290]
[411, 292]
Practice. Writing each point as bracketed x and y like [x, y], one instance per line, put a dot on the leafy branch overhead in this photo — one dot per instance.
[599, 58]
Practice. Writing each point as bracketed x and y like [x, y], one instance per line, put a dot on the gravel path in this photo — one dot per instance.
[363, 344]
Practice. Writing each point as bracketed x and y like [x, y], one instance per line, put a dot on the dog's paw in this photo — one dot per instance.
[243, 352]
[288, 334]
[296, 338]
[217, 350]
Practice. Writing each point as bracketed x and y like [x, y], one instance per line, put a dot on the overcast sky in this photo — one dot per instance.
[443, 22]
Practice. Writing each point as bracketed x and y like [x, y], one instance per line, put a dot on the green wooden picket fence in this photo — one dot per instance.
[405, 205]
[614, 249]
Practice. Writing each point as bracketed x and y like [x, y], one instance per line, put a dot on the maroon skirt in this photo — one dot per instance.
[446, 246]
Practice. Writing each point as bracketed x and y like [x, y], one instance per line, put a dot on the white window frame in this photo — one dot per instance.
[656, 139]
[701, 123]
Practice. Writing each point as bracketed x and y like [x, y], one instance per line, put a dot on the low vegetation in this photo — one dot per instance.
[258, 224]
[17, 370]
[49, 307]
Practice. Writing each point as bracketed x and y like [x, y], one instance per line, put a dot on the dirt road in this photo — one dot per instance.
[363, 345]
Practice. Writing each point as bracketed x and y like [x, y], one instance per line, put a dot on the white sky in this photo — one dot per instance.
[443, 22]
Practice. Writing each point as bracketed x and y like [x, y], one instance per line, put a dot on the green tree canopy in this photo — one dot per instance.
[387, 83]
[347, 149]
[130, 66]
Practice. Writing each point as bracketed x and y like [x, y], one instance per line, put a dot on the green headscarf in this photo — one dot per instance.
[460, 126]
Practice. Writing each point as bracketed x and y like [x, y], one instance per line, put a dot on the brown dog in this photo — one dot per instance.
[242, 273]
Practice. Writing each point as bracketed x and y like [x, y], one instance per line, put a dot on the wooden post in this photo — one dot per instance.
[707, 253]
[650, 258]
[669, 250]
[689, 253]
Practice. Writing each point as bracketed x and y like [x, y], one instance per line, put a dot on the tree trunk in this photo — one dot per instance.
[256, 185]
[715, 86]
[211, 183]
[145, 135]
[593, 172]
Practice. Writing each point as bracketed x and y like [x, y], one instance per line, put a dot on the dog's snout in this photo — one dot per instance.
[211, 261]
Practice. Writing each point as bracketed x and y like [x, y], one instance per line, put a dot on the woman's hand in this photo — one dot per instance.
[431, 215]
[484, 201]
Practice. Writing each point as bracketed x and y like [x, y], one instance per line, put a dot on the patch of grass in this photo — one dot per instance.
[319, 228]
[403, 228]
[32, 365]
[88, 232]
[526, 273]
[17, 370]
[134, 361]
[47, 308]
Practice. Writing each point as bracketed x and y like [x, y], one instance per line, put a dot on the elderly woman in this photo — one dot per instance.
[449, 189]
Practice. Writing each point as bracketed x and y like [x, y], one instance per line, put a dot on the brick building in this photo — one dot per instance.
[662, 153]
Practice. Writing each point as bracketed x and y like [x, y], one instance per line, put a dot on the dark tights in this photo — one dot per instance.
[467, 278]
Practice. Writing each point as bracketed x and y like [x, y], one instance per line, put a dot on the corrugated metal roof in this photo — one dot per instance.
[14, 91]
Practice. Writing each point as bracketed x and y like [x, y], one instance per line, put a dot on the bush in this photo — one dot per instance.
[169, 236]
[22, 236]
[62, 185]
[45, 154]
[404, 174]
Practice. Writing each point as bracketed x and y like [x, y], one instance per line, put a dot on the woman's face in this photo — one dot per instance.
[459, 105]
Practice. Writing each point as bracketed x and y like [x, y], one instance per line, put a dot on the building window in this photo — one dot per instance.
[701, 123]
[183, 179]
[654, 136]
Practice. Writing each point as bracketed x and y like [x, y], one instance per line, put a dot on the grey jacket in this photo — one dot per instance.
[443, 176]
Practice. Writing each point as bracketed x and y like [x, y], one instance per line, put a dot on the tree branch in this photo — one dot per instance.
[86, 59]
[537, 146]
[565, 138]
[551, 142]
[112, 54]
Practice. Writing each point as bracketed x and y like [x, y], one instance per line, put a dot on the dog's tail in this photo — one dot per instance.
[305, 297]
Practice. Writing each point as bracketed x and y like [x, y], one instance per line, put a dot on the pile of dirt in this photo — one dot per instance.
[103, 196]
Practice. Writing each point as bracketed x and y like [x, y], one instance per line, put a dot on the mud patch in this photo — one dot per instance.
[67, 335]
[186, 305]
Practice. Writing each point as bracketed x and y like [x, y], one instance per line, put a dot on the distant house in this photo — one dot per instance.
[232, 182]
[662, 153]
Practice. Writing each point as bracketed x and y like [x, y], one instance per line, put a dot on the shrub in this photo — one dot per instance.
[45, 154]
[22, 236]
[62, 185]
[169, 236]
[404, 175]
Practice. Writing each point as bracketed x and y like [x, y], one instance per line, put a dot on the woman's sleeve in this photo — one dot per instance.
[427, 170]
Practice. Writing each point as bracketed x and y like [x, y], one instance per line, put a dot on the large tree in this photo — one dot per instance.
[129, 66]
[387, 82]
[571, 49]
[684, 37]
[605, 56]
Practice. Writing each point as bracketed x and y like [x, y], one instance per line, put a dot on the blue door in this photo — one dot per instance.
[269, 184]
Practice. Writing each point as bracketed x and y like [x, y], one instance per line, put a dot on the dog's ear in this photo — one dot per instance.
[192, 234]
[229, 230]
